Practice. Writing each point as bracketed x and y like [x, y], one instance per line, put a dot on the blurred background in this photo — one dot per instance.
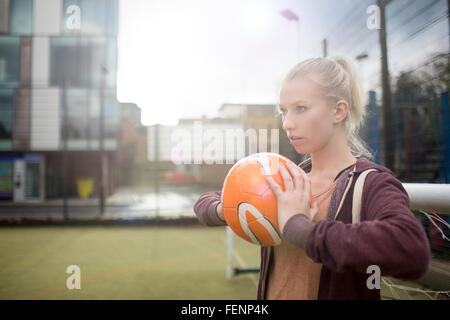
[95, 96]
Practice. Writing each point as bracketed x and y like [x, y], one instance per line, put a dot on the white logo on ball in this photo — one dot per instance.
[242, 209]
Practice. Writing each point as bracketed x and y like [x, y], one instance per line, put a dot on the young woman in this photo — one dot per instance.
[324, 255]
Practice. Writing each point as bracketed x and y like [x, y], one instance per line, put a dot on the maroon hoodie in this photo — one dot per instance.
[388, 235]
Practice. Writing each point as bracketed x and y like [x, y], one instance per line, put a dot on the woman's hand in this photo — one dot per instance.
[296, 197]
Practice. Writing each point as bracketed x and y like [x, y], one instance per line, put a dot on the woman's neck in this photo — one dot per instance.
[329, 161]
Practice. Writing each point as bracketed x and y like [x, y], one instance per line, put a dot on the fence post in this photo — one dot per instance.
[230, 252]
[374, 130]
[446, 131]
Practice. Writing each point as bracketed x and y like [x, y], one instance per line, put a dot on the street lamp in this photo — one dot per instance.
[101, 135]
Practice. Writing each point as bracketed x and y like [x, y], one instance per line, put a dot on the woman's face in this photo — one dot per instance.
[308, 115]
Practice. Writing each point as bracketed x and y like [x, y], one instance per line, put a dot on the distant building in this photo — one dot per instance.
[253, 116]
[263, 116]
[131, 112]
[58, 66]
[132, 143]
[195, 137]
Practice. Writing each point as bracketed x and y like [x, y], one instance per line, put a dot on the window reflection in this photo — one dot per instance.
[9, 64]
[77, 62]
[83, 122]
[97, 17]
[21, 16]
[6, 119]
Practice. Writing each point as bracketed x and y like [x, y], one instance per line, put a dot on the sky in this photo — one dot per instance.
[184, 59]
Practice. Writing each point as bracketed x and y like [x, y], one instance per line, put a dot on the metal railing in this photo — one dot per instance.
[429, 196]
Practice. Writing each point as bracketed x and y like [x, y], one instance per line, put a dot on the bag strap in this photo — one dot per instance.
[357, 195]
[349, 183]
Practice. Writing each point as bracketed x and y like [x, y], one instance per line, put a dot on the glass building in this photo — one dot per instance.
[58, 66]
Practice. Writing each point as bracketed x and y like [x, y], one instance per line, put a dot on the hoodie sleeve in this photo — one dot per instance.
[205, 209]
[390, 237]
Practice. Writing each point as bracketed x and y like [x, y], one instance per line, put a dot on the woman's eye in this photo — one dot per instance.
[300, 108]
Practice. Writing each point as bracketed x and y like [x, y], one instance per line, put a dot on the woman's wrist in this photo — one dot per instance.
[219, 211]
[297, 229]
[283, 220]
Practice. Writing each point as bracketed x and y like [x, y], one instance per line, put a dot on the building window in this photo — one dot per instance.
[77, 117]
[111, 118]
[4, 16]
[9, 62]
[6, 119]
[21, 16]
[77, 62]
[83, 112]
[6, 179]
[97, 17]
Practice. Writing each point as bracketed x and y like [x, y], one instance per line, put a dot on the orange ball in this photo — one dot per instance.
[249, 205]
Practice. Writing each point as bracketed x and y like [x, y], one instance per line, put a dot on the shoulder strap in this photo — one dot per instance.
[357, 195]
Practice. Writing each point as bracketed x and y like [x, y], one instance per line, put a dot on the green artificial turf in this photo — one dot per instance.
[129, 263]
[119, 263]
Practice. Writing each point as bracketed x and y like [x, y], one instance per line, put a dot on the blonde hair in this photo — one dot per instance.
[338, 79]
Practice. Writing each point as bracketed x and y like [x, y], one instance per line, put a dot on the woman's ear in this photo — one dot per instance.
[340, 111]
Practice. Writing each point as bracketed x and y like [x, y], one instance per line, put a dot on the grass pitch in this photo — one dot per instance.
[147, 262]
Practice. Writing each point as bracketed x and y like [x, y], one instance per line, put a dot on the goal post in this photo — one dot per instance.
[234, 265]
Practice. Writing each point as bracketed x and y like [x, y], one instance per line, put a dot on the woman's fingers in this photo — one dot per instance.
[302, 181]
[288, 183]
[307, 184]
[293, 177]
[273, 185]
[298, 178]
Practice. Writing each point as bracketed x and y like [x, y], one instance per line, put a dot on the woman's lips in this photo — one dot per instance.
[295, 140]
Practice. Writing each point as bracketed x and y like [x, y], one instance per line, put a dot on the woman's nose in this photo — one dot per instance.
[288, 123]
